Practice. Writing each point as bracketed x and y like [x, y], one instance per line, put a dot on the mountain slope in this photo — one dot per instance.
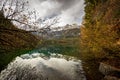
[13, 38]
[13, 41]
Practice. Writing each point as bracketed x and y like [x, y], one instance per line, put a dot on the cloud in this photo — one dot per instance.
[69, 11]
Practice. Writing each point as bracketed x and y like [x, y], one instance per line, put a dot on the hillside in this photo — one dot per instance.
[11, 37]
[100, 36]
[68, 33]
[13, 41]
[63, 32]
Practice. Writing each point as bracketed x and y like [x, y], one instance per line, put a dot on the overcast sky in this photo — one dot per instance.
[68, 11]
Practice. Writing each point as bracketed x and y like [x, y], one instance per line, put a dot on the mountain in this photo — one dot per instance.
[67, 31]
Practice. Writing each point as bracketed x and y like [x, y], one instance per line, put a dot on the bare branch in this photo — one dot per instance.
[17, 12]
[20, 22]
[10, 8]
[3, 6]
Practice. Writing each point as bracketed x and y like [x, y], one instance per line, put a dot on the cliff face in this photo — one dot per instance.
[100, 35]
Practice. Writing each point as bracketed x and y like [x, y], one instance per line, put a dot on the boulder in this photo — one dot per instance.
[110, 78]
[110, 72]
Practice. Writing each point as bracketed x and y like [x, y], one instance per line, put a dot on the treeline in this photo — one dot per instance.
[100, 35]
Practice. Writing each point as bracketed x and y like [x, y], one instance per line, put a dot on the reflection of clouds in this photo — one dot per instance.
[36, 67]
[69, 11]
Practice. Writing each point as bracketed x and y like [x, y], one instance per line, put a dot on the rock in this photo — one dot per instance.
[110, 78]
[110, 72]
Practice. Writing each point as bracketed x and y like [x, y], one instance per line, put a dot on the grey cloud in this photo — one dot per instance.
[66, 3]
[69, 11]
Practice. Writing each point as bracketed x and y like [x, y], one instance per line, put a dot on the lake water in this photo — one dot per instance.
[44, 64]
